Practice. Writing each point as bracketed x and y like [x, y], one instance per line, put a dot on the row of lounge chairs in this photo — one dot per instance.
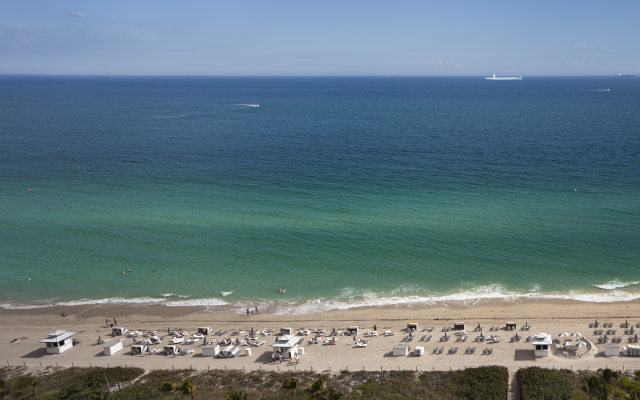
[629, 331]
[429, 329]
[425, 338]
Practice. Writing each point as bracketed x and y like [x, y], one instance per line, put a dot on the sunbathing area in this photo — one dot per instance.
[327, 341]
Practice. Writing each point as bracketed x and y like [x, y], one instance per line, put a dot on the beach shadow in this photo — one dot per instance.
[524, 355]
[265, 358]
[38, 353]
[389, 354]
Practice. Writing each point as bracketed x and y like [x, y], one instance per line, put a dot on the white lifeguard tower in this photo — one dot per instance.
[541, 344]
[286, 344]
[58, 342]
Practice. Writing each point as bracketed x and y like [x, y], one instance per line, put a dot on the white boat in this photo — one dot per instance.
[504, 78]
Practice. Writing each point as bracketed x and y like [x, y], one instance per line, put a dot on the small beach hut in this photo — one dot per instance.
[541, 344]
[113, 347]
[353, 330]
[118, 331]
[286, 344]
[511, 326]
[58, 342]
[412, 327]
[139, 349]
[459, 326]
[286, 331]
[611, 350]
[400, 350]
[229, 351]
[204, 330]
[170, 349]
[210, 350]
[419, 351]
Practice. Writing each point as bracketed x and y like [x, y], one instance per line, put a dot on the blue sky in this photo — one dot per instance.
[319, 38]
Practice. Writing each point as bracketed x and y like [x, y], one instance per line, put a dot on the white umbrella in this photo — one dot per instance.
[582, 344]
[576, 334]
[564, 334]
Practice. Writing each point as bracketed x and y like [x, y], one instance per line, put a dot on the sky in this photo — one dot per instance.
[277, 37]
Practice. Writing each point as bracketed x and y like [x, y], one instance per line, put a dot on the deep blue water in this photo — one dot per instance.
[351, 190]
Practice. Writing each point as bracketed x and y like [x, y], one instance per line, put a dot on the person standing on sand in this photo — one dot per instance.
[297, 358]
[114, 321]
[256, 310]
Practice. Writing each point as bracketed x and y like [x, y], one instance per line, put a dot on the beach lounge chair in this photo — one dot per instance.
[452, 350]
[485, 351]
[467, 350]
[389, 333]
[436, 350]
[441, 350]
[473, 350]
[429, 337]
[423, 338]
[177, 340]
[359, 344]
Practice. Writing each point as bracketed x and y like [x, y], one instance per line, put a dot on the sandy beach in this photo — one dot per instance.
[552, 317]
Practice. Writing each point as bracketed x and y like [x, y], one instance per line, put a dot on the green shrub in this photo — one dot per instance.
[135, 392]
[483, 383]
[544, 384]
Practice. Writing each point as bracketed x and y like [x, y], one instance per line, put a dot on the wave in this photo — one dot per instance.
[615, 284]
[223, 294]
[248, 105]
[354, 298]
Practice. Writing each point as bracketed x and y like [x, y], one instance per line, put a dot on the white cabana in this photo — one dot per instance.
[286, 344]
[118, 331]
[541, 344]
[210, 350]
[205, 330]
[354, 330]
[412, 327]
[419, 351]
[58, 342]
[113, 347]
[170, 349]
[229, 351]
[458, 326]
[139, 349]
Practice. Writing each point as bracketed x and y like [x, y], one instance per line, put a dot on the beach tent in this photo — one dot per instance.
[611, 350]
[286, 331]
[353, 330]
[286, 343]
[204, 330]
[210, 350]
[229, 351]
[459, 326]
[400, 350]
[170, 349]
[58, 342]
[511, 326]
[118, 331]
[412, 327]
[138, 349]
[541, 344]
[419, 351]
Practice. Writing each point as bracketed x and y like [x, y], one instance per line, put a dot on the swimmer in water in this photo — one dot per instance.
[129, 270]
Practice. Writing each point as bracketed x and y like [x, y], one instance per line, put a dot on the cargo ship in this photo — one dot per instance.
[504, 78]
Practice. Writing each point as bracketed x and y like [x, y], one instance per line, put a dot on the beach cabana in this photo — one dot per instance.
[210, 350]
[286, 344]
[541, 344]
[171, 349]
[459, 326]
[511, 326]
[58, 342]
[118, 331]
[611, 350]
[400, 350]
[353, 330]
[113, 347]
[139, 349]
[286, 331]
[229, 351]
[419, 351]
[412, 327]
[204, 330]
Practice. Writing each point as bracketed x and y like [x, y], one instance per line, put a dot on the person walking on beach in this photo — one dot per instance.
[114, 321]
[247, 311]
[256, 310]
[375, 327]
[297, 358]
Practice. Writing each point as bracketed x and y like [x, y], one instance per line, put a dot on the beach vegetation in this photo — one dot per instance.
[27, 384]
[236, 395]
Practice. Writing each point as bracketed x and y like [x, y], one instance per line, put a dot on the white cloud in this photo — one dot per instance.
[584, 45]
[575, 63]
[435, 62]
[78, 15]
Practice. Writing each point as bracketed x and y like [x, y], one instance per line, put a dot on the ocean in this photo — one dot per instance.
[343, 191]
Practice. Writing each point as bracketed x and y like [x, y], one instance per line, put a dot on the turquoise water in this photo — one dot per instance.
[343, 191]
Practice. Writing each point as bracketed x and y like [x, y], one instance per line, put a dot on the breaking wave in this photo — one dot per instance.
[615, 284]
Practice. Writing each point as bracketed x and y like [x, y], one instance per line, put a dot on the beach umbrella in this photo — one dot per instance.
[564, 334]
[582, 344]
[576, 334]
